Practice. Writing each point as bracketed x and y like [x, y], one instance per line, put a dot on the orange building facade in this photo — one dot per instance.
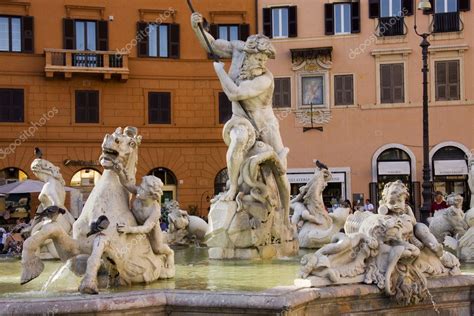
[72, 71]
[358, 65]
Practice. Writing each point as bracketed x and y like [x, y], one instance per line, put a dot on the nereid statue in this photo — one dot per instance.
[251, 219]
[52, 194]
[388, 249]
[184, 229]
[314, 225]
[96, 245]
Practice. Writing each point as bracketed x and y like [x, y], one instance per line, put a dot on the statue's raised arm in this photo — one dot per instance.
[221, 48]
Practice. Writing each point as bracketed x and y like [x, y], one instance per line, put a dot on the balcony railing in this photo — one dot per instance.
[70, 61]
[392, 26]
[447, 22]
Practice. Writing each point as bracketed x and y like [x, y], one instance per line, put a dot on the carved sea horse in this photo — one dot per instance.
[128, 258]
[316, 226]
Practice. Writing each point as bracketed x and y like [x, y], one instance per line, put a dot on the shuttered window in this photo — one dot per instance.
[392, 83]
[159, 108]
[225, 108]
[158, 40]
[85, 34]
[282, 93]
[390, 8]
[230, 32]
[12, 105]
[447, 80]
[280, 22]
[87, 106]
[341, 18]
[344, 90]
[16, 34]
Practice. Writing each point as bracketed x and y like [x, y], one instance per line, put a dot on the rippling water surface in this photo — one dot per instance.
[194, 271]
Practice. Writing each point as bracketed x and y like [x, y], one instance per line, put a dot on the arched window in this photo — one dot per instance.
[170, 182]
[220, 182]
[84, 180]
[450, 172]
[12, 174]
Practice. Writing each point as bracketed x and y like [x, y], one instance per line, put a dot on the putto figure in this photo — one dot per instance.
[258, 191]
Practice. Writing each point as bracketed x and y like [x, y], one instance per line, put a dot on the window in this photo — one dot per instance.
[87, 106]
[447, 80]
[11, 105]
[159, 108]
[230, 32]
[16, 34]
[158, 40]
[225, 108]
[280, 22]
[342, 18]
[390, 8]
[282, 93]
[220, 182]
[392, 83]
[344, 90]
[446, 6]
[85, 35]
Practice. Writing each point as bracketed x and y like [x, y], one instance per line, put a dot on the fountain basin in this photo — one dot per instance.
[453, 296]
[209, 286]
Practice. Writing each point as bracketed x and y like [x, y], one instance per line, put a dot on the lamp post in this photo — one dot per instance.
[425, 5]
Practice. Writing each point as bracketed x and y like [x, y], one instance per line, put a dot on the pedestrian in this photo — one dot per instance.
[368, 206]
[439, 203]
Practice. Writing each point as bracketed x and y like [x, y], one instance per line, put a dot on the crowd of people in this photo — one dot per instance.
[11, 242]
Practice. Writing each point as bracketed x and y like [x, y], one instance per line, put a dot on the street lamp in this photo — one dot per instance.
[425, 5]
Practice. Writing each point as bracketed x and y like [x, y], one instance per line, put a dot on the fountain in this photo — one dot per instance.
[395, 258]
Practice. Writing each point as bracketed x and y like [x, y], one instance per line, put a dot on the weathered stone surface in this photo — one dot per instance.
[184, 229]
[452, 296]
[389, 249]
[253, 213]
[128, 258]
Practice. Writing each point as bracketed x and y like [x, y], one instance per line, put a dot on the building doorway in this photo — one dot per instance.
[220, 182]
[12, 174]
[393, 164]
[84, 180]
[170, 184]
[450, 172]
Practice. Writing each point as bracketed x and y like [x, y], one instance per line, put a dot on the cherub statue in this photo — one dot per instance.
[146, 210]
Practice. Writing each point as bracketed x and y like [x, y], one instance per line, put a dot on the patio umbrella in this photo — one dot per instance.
[27, 186]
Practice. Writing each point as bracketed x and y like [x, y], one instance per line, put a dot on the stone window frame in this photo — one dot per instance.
[447, 53]
[392, 56]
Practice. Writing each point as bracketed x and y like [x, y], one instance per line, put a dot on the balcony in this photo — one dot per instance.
[392, 26]
[69, 61]
[447, 22]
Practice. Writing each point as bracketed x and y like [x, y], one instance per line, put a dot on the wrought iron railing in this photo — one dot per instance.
[392, 26]
[447, 22]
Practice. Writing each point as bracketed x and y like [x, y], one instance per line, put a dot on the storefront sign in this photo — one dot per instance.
[394, 168]
[299, 177]
[450, 167]
[339, 177]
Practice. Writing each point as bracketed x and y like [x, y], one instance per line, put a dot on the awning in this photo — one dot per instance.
[27, 186]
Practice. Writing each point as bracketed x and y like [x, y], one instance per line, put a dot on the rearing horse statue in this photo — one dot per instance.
[127, 258]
